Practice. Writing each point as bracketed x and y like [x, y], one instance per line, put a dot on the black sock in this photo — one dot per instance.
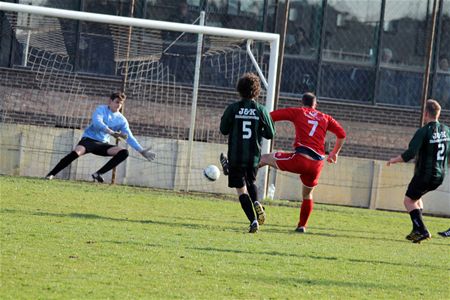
[64, 162]
[416, 218]
[247, 206]
[252, 191]
[114, 161]
[415, 227]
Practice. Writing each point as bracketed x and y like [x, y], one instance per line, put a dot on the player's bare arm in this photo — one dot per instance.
[332, 157]
[395, 160]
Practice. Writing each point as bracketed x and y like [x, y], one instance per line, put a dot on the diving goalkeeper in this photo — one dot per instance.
[107, 120]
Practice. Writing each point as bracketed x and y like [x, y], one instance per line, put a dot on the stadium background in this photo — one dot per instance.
[364, 59]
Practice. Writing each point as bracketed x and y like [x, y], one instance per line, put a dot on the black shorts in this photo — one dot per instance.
[418, 187]
[240, 176]
[95, 147]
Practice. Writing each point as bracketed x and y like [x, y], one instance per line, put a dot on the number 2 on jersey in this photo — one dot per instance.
[314, 126]
[440, 153]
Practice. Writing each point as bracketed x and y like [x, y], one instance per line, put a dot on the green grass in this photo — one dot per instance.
[65, 239]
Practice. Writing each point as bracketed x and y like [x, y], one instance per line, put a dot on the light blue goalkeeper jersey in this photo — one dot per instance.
[102, 119]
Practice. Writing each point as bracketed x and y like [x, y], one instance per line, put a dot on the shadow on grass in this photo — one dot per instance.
[271, 253]
[303, 282]
[304, 255]
[98, 217]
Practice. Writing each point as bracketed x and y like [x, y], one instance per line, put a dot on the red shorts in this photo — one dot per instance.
[308, 169]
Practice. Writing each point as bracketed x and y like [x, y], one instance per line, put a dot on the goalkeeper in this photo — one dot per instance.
[107, 120]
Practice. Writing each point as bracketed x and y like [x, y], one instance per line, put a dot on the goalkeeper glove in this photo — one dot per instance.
[120, 135]
[148, 154]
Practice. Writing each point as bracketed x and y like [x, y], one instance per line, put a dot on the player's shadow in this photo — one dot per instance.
[153, 222]
[329, 233]
[98, 217]
[271, 253]
[317, 257]
[304, 282]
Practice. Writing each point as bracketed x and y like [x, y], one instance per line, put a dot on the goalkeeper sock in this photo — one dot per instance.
[252, 191]
[247, 206]
[305, 212]
[113, 162]
[63, 163]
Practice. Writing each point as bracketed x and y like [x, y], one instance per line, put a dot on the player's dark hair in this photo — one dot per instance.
[119, 95]
[433, 108]
[249, 86]
[309, 99]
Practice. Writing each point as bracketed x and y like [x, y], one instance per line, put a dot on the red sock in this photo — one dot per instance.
[305, 212]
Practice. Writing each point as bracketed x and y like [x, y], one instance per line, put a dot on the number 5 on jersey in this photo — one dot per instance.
[246, 130]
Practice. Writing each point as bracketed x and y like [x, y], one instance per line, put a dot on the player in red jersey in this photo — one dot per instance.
[307, 160]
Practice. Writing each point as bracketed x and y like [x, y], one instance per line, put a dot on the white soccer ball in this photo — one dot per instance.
[211, 172]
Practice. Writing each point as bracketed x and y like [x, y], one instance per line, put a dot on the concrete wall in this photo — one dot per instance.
[364, 183]
[32, 151]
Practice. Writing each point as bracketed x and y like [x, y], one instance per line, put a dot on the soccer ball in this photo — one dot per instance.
[211, 172]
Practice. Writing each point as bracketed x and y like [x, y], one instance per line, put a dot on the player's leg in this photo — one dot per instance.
[310, 172]
[420, 231]
[445, 233]
[250, 178]
[236, 179]
[118, 154]
[247, 207]
[268, 160]
[279, 160]
[66, 160]
[252, 190]
[224, 163]
[413, 204]
[306, 208]
[409, 208]
[420, 204]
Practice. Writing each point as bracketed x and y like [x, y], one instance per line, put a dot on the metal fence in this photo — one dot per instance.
[364, 51]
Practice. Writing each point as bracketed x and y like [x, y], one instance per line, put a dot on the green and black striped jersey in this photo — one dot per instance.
[431, 145]
[246, 122]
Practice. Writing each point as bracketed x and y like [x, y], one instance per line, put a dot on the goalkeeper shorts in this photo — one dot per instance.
[95, 147]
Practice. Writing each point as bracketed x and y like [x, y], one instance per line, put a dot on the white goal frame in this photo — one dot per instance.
[272, 38]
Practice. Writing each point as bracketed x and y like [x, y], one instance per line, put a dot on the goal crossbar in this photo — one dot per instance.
[144, 23]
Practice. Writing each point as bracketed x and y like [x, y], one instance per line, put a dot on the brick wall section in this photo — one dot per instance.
[368, 113]
[373, 131]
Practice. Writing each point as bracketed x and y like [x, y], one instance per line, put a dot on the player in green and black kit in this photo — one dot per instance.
[431, 145]
[246, 122]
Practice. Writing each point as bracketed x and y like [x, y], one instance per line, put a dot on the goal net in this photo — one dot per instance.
[178, 79]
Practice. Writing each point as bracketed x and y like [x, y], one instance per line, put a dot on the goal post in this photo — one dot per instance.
[143, 68]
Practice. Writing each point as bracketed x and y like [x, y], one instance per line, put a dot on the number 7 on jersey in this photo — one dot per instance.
[314, 126]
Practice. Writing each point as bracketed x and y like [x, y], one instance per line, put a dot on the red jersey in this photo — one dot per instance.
[311, 126]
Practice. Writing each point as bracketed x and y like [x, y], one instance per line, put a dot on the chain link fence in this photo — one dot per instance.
[365, 51]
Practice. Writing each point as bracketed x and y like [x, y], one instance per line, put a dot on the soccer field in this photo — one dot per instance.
[79, 240]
